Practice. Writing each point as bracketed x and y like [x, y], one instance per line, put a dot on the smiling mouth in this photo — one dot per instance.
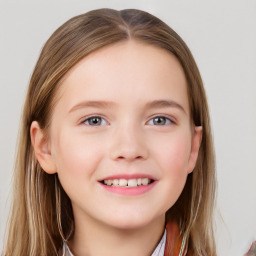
[127, 183]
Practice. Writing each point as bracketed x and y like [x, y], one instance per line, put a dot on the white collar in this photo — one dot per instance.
[159, 250]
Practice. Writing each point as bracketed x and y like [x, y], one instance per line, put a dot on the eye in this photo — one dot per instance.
[160, 120]
[95, 121]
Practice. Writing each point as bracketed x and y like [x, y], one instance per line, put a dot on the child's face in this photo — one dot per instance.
[136, 97]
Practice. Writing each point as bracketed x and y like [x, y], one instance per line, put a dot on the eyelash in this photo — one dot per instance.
[166, 119]
[92, 117]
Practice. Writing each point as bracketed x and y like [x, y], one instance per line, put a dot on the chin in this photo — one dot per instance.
[132, 221]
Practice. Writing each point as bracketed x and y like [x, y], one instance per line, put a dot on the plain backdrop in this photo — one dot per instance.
[222, 37]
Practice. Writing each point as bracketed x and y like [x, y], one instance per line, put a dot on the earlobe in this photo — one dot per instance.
[195, 146]
[41, 148]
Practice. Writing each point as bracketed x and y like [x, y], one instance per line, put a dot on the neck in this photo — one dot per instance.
[94, 238]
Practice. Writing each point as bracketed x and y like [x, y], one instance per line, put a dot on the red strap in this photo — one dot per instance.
[173, 240]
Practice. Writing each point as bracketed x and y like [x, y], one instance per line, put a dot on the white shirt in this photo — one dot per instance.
[159, 250]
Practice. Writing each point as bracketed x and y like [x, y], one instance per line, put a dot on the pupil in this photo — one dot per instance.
[159, 120]
[95, 121]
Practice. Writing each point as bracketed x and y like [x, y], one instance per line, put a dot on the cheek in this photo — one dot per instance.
[76, 154]
[174, 152]
[171, 155]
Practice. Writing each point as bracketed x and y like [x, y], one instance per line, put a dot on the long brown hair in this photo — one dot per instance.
[41, 215]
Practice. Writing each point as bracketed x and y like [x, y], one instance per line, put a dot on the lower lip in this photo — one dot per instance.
[129, 191]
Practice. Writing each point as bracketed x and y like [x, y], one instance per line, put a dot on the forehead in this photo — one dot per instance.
[126, 70]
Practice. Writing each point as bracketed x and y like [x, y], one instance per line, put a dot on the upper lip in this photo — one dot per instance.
[128, 176]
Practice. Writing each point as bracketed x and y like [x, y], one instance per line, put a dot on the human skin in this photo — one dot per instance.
[127, 137]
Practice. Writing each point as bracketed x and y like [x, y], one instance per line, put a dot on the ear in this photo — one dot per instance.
[42, 149]
[195, 146]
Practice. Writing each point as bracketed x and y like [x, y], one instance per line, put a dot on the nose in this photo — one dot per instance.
[128, 144]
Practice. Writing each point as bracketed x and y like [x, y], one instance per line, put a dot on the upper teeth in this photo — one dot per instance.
[127, 183]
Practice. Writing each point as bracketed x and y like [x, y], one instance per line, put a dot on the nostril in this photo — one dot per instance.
[128, 151]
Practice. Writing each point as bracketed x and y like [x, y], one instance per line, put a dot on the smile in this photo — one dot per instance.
[128, 185]
[128, 182]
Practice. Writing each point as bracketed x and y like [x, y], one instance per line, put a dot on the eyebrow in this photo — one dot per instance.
[165, 104]
[94, 104]
[108, 104]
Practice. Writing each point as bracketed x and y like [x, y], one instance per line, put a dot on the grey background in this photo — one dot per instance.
[222, 37]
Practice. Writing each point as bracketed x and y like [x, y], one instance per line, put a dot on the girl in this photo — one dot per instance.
[115, 154]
